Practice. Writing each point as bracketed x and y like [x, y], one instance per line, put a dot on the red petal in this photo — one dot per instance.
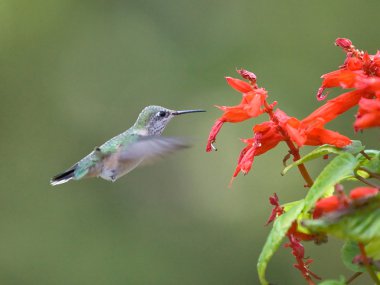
[326, 205]
[362, 192]
[254, 108]
[234, 114]
[368, 114]
[319, 136]
[214, 131]
[239, 85]
[343, 78]
[354, 63]
[333, 108]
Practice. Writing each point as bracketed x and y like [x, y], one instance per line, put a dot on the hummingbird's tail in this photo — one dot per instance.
[63, 177]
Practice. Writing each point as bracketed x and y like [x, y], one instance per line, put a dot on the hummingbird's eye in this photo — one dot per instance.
[162, 113]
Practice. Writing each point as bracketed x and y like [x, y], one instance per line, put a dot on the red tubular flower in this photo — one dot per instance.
[239, 85]
[266, 137]
[368, 115]
[214, 131]
[363, 192]
[358, 67]
[376, 61]
[343, 78]
[293, 230]
[250, 106]
[334, 107]
[306, 132]
[326, 205]
[311, 130]
[320, 136]
[353, 63]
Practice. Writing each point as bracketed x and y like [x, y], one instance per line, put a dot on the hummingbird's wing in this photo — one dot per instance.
[150, 148]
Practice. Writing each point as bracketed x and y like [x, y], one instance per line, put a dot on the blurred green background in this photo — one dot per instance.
[75, 73]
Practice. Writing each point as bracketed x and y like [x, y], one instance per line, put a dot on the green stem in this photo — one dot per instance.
[368, 265]
[353, 277]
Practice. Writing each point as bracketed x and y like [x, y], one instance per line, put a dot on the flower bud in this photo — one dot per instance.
[343, 43]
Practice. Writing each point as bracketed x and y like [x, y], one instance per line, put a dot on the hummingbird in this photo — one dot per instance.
[140, 144]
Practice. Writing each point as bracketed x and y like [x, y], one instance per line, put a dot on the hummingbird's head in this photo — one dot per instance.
[154, 119]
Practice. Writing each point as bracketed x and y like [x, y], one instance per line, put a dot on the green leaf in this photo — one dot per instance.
[339, 168]
[373, 249]
[360, 224]
[322, 150]
[280, 228]
[349, 250]
[372, 165]
[302, 216]
[341, 281]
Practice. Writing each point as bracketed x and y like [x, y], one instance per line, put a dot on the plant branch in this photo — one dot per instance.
[353, 277]
[293, 149]
[368, 265]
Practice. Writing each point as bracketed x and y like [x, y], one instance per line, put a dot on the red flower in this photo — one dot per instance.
[326, 205]
[341, 201]
[266, 137]
[334, 107]
[363, 192]
[311, 130]
[214, 131]
[368, 115]
[358, 67]
[282, 127]
[343, 78]
[239, 85]
[250, 106]
[293, 230]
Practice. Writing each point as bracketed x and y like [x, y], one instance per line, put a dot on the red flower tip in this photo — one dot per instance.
[344, 43]
[326, 205]
[247, 75]
[363, 192]
[212, 136]
[239, 85]
[320, 95]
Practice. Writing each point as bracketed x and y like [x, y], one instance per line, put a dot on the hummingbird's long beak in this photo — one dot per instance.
[175, 113]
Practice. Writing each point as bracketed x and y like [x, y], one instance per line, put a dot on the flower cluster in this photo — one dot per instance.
[280, 127]
[360, 71]
[361, 74]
